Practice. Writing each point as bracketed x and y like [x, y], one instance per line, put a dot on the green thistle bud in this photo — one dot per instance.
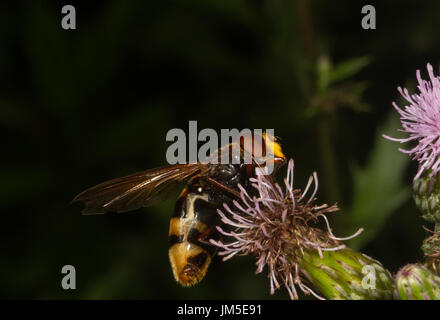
[426, 193]
[416, 282]
[431, 245]
[347, 275]
[431, 248]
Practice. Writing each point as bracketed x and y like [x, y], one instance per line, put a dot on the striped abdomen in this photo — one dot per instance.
[191, 227]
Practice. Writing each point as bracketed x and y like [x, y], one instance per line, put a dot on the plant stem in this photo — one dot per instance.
[325, 148]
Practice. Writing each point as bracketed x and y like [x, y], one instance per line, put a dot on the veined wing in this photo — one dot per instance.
[138, 190]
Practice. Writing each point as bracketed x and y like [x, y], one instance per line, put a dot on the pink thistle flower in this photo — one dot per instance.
[276, 226]
[421, 120]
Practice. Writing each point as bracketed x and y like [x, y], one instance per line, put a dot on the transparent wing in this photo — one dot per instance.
[138, 190]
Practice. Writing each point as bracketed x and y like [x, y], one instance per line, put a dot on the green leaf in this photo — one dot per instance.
[378, 188]
[347, 69]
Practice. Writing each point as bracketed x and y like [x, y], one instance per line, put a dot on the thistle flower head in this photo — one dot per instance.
[426, 194]
[278, 225]
[417, 282]
[431, 249]
[421, 120]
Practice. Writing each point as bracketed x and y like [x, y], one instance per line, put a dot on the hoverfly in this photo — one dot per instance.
[195, 216]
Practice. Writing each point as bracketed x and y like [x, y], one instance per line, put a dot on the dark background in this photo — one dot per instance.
[78, 107]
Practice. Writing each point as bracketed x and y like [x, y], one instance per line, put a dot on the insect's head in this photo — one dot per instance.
[265, 149]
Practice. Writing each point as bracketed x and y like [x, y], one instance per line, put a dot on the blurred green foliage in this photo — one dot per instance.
[82, 106]
[378, 189]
